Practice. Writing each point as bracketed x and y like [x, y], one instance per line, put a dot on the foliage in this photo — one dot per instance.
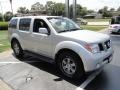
[8, 16]
[1, 17]
[3, 25]
[105, 12]
[23, 10]
[118, 9]
[37, 6]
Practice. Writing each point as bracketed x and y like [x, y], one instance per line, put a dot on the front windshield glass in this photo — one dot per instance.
[61, 24]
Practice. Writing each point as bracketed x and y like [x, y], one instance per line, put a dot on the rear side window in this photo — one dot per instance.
[24, 24]
[13, 24]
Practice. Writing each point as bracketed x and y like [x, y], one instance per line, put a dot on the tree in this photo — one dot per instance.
[83, 11]
[50, 7]
[1, 19]
[8, 15]
[80, 11]
[100, 11]
[118, 9]
[37, 7]
[90, 11]
[104, 11]
[59, 9]
[112, 9]
[23, 10]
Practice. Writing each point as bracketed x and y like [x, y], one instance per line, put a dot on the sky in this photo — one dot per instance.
[90, 4]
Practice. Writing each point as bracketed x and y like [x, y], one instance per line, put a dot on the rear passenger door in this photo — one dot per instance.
[24, 32]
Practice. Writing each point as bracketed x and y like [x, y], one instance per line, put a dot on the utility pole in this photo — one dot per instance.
[74, 10]
[67, 8]
[11, 6]
[2, 12]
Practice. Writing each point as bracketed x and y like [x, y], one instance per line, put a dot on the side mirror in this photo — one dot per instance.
[43, 31]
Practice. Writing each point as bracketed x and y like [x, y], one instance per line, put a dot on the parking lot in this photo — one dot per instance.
[31, 73]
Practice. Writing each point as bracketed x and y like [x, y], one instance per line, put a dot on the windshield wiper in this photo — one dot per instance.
[63, 31]
[70, 30]
[75, 29]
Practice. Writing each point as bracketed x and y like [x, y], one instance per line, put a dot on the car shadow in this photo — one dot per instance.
[51, 68]
[115, 33]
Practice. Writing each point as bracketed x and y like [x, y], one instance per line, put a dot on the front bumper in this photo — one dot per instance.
[113, 30]
[96, 61]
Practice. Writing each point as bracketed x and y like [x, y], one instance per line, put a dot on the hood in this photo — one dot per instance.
[86, 36]
[115, 25]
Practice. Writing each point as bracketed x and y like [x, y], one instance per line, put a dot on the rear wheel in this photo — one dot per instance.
[70, 65]
[17, 49]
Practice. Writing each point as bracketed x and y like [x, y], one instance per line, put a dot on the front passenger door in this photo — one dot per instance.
[41, 42]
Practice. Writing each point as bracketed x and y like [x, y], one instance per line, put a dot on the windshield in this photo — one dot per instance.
[61, 24]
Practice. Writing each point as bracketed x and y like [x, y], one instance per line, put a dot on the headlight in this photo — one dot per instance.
[94, 48]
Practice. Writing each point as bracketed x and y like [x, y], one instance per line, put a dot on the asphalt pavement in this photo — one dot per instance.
[30, 73]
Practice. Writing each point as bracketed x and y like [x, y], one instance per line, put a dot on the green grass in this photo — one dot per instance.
[97, 20]
[93, 27]
[3, 23]
[4, 43]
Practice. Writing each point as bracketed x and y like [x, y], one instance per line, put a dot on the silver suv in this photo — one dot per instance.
[60, 40]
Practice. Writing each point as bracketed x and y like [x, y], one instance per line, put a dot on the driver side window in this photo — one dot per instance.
[39, 23]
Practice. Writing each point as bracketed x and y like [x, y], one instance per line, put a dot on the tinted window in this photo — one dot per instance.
[39, 23]
[13, 24]
[24, 24]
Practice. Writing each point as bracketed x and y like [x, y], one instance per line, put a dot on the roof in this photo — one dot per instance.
[36, 16]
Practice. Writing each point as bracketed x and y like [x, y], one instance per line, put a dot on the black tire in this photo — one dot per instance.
[19, 53]
[79, 71]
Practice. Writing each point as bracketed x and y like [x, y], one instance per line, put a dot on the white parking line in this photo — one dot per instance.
[9, 62]
[13, 62]
[88, 80]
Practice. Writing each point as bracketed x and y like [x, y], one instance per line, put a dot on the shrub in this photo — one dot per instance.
[3, 25]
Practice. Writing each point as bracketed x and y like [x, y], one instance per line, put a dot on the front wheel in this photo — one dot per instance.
[17, 49]
[70, 65]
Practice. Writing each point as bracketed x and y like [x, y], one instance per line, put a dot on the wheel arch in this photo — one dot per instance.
[16, 37]
[68, 50]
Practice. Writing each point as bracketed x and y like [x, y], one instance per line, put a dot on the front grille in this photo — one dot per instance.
[105, 45]
[101, 47]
